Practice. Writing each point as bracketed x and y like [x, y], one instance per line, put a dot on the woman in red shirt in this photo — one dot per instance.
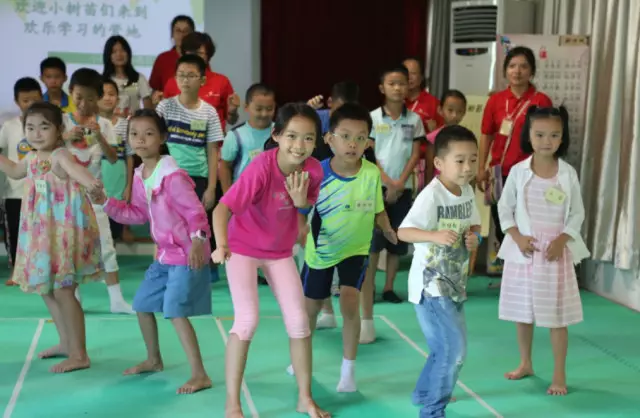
[164, 66]
[503, 119]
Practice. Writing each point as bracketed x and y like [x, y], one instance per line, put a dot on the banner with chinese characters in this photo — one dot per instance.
[76, 31]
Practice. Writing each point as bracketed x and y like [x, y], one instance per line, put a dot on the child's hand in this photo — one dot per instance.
[445, 237]
[471, 241]
[95, 127]
[209, 198]
[95, 186]
[233, 103]
[555, 250]
[156, 97]
[74, 134]
[197, 257]
[316, 102]
[297, 185]
[221, 254]
[392, 194]
[98, 197]
[391, 236]
[526, 245]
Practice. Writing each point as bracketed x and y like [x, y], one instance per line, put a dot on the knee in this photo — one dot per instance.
[349, 303]
[297, 324]
[245, 326]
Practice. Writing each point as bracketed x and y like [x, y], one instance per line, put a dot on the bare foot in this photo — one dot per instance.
[233, 413]
[195, 384]
[70, 365]
[558, 387]
[147, 366]
[520, 373]
[53, 352]
[309, 407]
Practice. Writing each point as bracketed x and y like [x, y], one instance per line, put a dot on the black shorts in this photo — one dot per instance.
[317, 283]
[396, 212]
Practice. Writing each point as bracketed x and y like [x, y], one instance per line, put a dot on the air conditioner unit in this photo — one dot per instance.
[474, 26]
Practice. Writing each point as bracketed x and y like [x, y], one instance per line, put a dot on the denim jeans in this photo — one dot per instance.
[443, 325]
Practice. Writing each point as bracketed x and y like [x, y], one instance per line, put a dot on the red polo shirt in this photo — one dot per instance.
[216, 92]
[504, 104]
[426, 106]
[163, 69]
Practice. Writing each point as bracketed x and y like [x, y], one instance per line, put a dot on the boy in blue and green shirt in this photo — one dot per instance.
[348, 208]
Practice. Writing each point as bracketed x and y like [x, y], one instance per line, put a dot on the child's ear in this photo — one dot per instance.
[440, 111]
[381, 88]
[437, 163]
[327, 137]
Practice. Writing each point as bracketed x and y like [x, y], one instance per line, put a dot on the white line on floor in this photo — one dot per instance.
[245, 388]
[25, 369]
[421, 351]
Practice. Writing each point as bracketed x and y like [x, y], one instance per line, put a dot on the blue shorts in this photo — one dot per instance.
[176, 291]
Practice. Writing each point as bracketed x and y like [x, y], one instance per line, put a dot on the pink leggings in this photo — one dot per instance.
[284, 281]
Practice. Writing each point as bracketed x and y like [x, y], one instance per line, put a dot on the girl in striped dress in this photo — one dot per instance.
[541, 213]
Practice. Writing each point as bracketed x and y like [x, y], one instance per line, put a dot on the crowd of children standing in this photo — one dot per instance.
[343, 183]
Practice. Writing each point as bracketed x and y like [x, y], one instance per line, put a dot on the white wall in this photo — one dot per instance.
[620, 286]
[235, 29]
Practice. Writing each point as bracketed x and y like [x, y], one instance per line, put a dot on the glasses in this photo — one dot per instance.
[348, 138]
[188, 77]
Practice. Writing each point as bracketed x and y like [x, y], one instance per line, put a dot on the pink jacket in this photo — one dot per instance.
[173, 211]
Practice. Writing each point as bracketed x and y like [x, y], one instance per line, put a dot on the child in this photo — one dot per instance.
[397, 133]
[89, 138]
[341, 93]
[349, 204]
[194, 131]
[53, 73]
[541, 213]
[444, 226]
[133, 87]
[452, 108]
[26, 91]
[256, 226]
[177, 283]
[244, 142]
[118, 177]
[56, 253]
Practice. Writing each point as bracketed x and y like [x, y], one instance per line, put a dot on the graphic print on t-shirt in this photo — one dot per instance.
[23, 148]
[449, 266]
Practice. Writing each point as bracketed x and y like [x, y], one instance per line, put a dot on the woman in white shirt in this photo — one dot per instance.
[133, 86]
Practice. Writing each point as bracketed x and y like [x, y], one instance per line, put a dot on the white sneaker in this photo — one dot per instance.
[122, 307]
[290, 370]
[326, 320]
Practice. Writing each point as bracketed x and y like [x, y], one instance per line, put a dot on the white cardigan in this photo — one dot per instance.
[512, 209]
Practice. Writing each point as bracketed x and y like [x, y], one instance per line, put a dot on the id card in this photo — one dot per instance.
[41, 187]
[254, 153]
[555, 195]
[506, 127]
[450, 224]
[383, 129]
[198, 125]
[364, 205]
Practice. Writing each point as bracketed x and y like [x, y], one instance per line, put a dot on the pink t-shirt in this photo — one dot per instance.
[431, 137]
[264, 223]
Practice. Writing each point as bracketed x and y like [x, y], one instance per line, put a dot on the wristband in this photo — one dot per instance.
[479, 237]
[304, 211]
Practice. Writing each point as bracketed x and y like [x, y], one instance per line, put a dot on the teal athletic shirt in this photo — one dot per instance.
[344, 216]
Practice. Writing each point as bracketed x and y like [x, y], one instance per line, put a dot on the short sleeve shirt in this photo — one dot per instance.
[242, 144]
[87, 151]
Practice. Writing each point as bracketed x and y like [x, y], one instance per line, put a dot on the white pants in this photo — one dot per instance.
[106, 240]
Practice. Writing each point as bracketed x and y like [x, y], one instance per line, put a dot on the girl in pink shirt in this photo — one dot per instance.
[265, 202]
[452, 108]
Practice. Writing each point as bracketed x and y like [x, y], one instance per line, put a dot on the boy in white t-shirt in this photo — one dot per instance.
[13, 144]
[444, 226]
[89, 137]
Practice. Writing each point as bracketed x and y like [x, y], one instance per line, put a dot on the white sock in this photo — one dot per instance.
[347, 376]
[290, 370]
[118, 304]
[367, 331]
[326, 320]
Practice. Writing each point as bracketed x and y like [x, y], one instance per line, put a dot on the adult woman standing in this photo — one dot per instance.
[164, 66]
[503, 119]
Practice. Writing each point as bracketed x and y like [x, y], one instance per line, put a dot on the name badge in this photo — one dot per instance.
[506, 127]
[555, 195]
[450, 224]
[254, 153]
[41, 187]
[198, 125]
[383, 128]
[364, 205]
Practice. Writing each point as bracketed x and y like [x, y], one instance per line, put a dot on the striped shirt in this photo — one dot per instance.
[120, 130]
[190, 130]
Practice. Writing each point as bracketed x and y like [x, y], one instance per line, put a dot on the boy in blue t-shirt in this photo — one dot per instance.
[244, 142]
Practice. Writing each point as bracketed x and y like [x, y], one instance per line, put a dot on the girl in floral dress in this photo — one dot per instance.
[59, 240]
